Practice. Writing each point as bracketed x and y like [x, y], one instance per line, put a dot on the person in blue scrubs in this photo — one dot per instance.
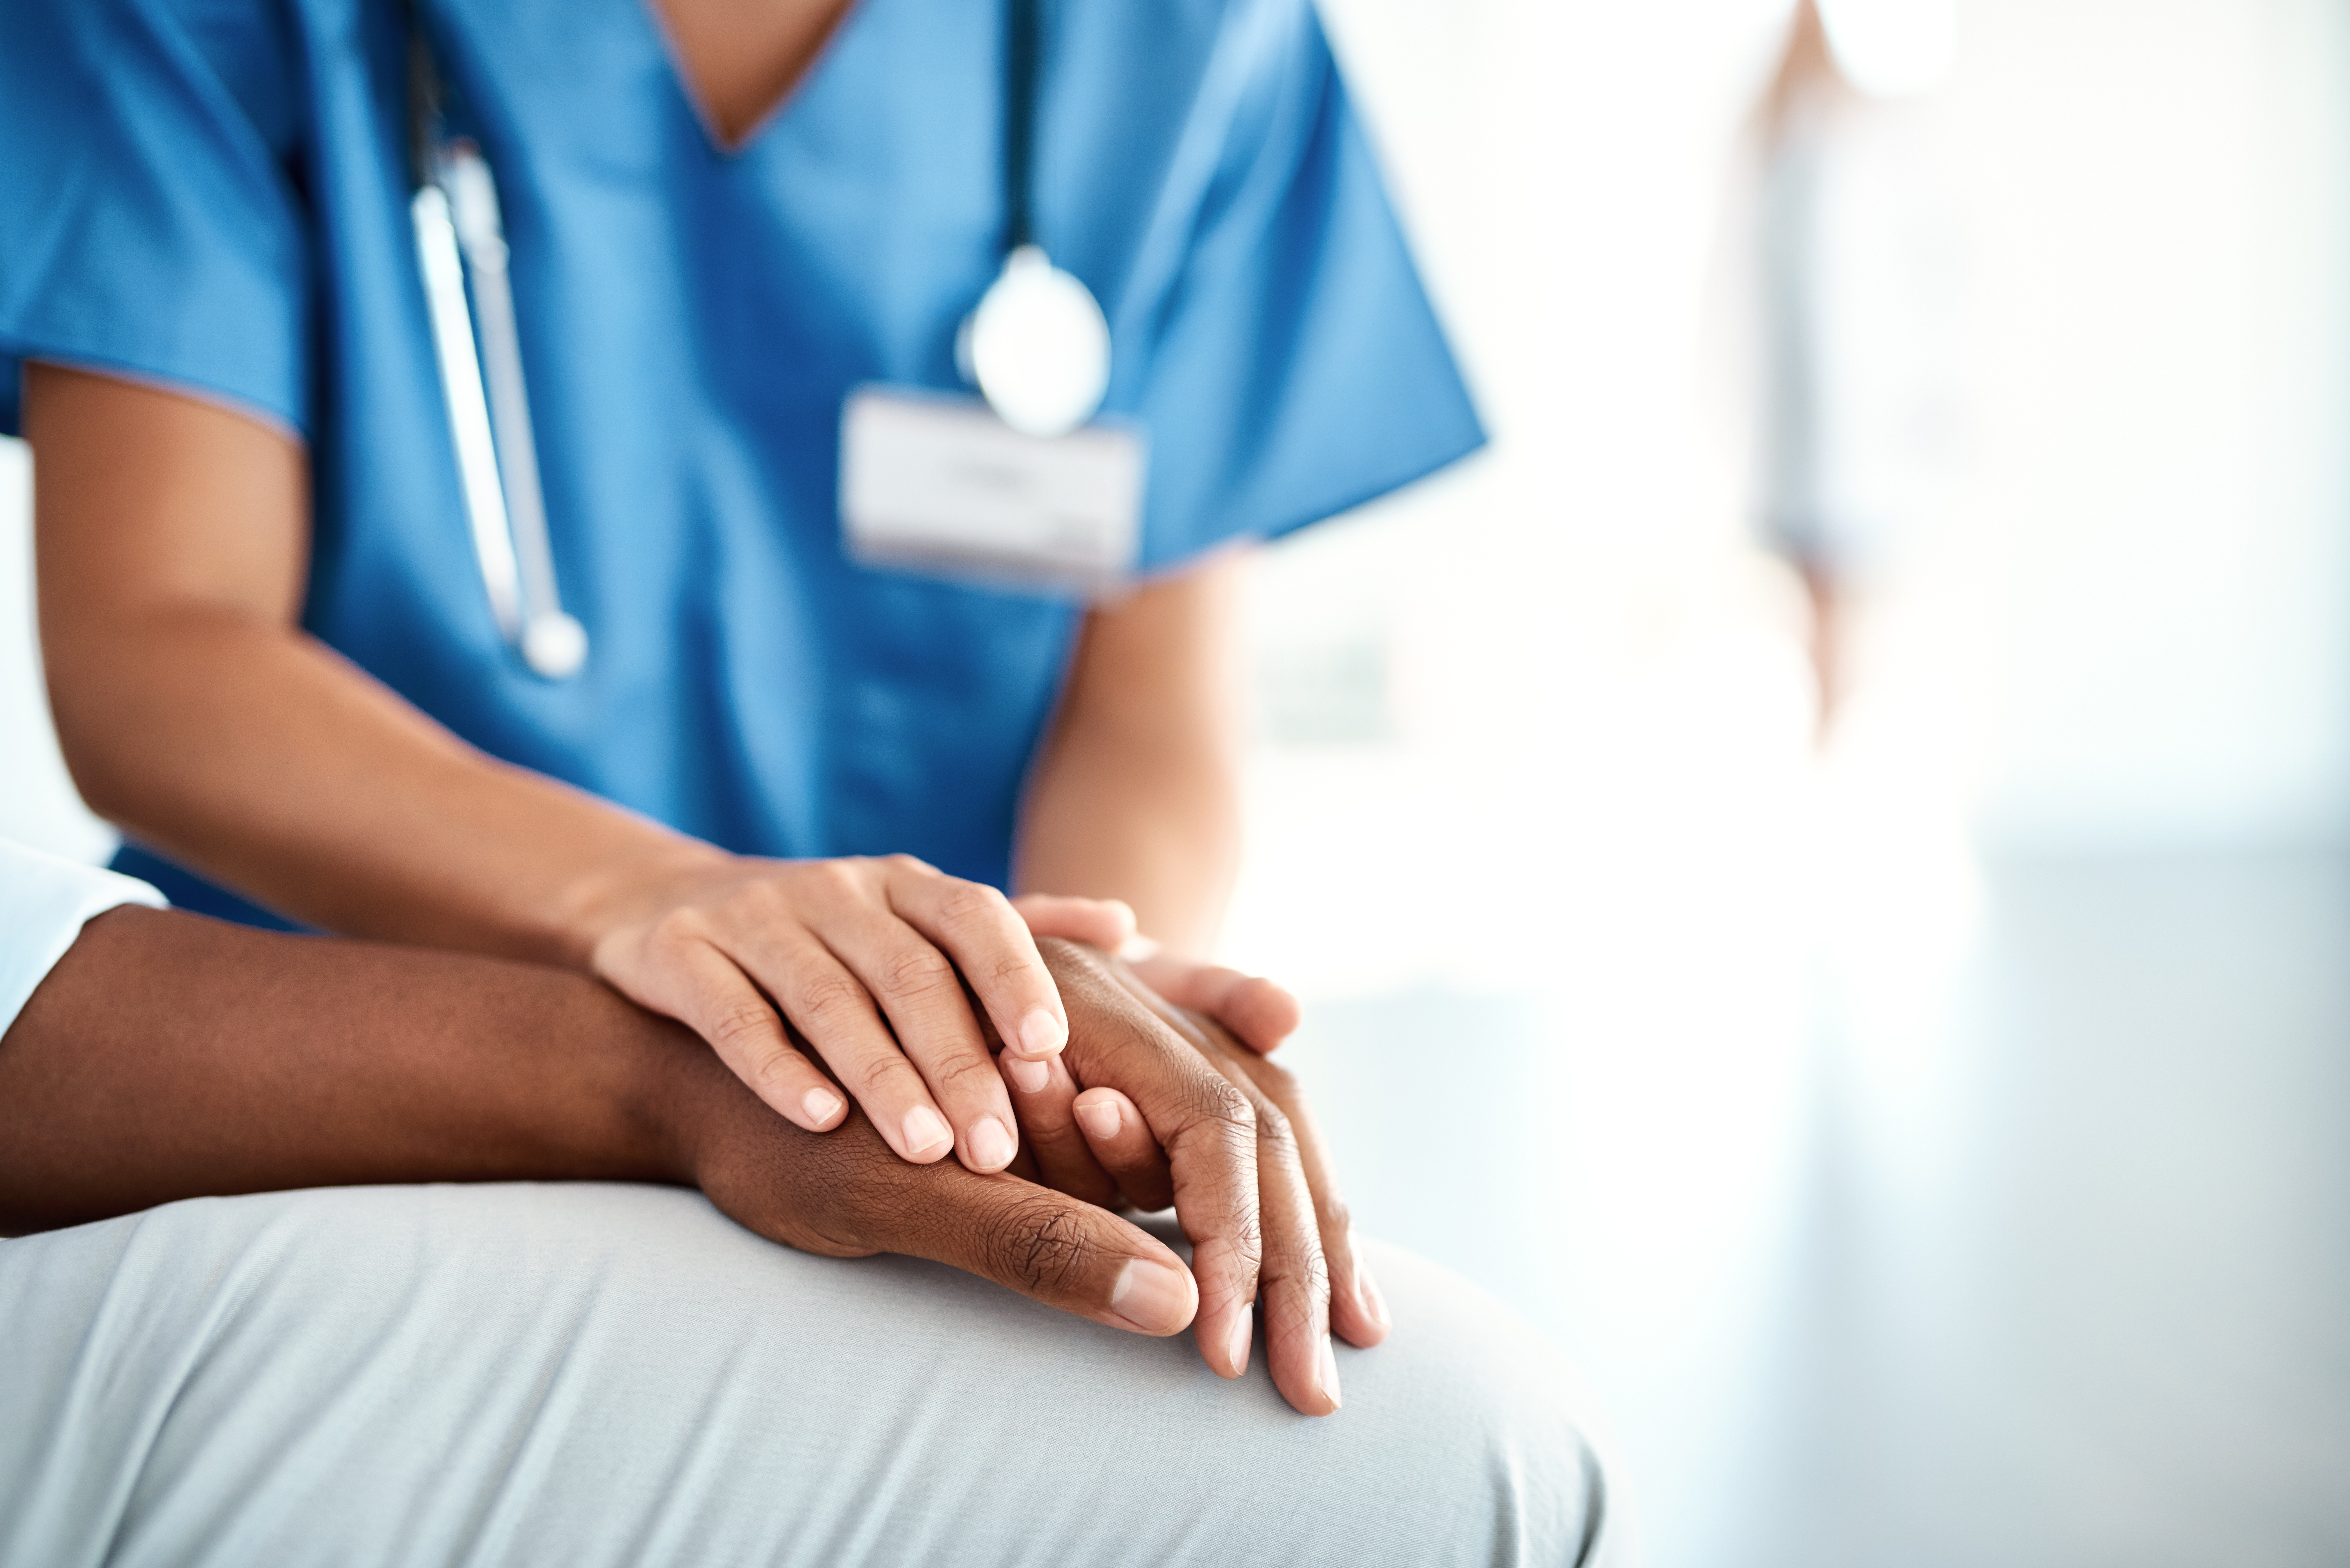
[785, 797]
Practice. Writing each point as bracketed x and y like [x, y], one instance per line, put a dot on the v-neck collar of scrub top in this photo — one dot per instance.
[775, 109]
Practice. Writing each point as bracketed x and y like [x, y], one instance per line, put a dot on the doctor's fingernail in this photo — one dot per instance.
[821, 1105]
[1326, 1373]
[1029, 1077]
[1099, 1118]
[990, 1144]
[1154, 1297]
[1041, 1034]
[925, 1129]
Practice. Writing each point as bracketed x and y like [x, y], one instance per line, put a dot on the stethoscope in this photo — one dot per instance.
[1037, 347]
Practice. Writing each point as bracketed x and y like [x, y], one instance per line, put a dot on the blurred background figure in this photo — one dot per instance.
[1858, 305]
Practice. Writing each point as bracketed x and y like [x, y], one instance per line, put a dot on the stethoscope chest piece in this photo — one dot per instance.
[1038, 346]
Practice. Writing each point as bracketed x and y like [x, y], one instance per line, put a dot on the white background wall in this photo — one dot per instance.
[2126, 627]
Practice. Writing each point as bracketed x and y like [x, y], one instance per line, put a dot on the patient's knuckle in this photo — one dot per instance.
[1274, 1133]
[1294, 1312]
[1246, 1234]
[1039, 1242]
[1215, 1101]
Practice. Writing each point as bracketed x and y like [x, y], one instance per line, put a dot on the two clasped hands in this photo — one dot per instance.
[1009, 1085]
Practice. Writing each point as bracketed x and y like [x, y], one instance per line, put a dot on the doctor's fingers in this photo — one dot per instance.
[1258, 1013]
[976, 926]
[690, 981]
[1206, 1125]
[1104, 923]
[1120, 1141]
[835, 1013]
[928, 1008]
[1045, 1096]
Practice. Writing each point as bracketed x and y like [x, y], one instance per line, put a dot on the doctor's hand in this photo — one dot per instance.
[1257, 1013]
[1152, 1105]
[867, 960]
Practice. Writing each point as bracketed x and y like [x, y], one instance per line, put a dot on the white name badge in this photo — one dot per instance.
[936, 483]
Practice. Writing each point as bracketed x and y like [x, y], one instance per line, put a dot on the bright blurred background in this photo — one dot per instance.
[1928, 1121]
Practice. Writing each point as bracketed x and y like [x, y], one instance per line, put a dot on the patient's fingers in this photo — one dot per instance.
[1203, 1121]
[847, 1194]
[1062, 1250]
[1358, 1313]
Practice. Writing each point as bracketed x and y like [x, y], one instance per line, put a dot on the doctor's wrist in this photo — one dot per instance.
[614, 890]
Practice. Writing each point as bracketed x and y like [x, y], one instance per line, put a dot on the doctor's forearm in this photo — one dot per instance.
[1136, 795]
[262, 759]
[1107, 824]
[193, 710]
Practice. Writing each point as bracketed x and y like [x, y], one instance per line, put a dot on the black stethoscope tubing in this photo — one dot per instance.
[461, 255]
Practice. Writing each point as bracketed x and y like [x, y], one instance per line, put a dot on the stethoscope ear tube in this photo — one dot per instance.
[455, 212]
[1038, 344]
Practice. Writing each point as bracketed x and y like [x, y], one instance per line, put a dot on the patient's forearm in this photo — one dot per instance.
[168, 1056]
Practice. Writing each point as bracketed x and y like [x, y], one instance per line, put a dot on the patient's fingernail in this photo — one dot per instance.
[1151, 1296]
[1098, 1118]
[821, 1105]
[1237, 1345]
[1028, 1077]
[990, 1144]
[925, 1129]
[1041, 1034]
[1327, 1373]
[1368, 1289]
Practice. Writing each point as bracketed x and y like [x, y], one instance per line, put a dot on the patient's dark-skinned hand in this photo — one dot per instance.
[169, 1056]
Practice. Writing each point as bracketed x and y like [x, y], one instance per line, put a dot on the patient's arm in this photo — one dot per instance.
[168, 1056]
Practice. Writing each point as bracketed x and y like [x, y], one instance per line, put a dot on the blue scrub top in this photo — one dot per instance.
[212, 195]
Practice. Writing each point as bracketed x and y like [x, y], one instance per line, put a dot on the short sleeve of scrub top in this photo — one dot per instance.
[210, 195]
[44, 903]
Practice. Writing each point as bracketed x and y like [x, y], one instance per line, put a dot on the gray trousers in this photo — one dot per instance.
[581, 1374]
